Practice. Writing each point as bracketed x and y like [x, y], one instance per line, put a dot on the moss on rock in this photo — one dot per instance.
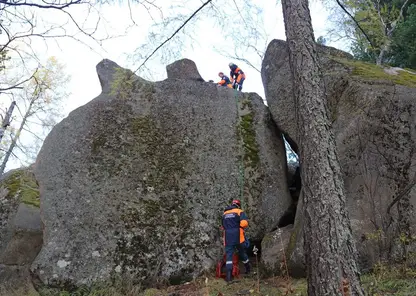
[123, 83]
[248, 133]
[250, 151]
[21, 184]
[373, 71]
[126, 83]
[294, 237]
[151, 228]
[166, 155]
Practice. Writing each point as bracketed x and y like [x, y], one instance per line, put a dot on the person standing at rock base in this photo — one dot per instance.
[234, 221]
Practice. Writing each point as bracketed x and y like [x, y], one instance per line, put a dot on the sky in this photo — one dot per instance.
[206, 47]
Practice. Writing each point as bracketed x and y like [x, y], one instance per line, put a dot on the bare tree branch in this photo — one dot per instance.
[239, 12]
[402, 194]
[238, 58]
[51, 6]
[355, 21]
[173, 35]
[18, 84]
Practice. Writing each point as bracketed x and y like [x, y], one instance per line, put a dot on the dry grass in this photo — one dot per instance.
[200, 287]
[20, 291]
[384, 281]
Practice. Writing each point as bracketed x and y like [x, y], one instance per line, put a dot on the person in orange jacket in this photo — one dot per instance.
[225, 81]
[237, 76]
[234, 221]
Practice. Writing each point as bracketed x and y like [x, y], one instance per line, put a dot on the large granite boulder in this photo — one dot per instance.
[21, 231]
[135, 181]
[373, 113]
[278, 83]
[16, 187]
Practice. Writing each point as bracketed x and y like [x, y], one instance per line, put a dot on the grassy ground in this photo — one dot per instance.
[382, 283]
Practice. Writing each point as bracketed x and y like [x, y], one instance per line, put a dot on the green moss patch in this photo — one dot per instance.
[293, 240]
[125, 83]
[22, 183]
[164, 151]
[390, 280]
[251, 150]
[372, 71]
[159, 224]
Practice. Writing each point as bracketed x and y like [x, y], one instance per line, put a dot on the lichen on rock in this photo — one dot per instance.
[17, 186]
[22, 186]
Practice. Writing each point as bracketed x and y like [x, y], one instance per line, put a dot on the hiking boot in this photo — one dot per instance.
[229, 276]
[248, 268]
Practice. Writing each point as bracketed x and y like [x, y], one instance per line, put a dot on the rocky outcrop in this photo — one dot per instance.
[278, 88]
[273, 248]
[373, 115]
[16, 187]
[21, 232]
[183, 69]
[135, 181]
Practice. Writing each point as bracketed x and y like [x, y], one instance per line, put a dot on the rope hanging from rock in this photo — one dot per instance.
[241, 150]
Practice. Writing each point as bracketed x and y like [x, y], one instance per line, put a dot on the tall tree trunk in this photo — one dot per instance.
[6, 120]
[380, 57]
[15, 139]
[329, 247]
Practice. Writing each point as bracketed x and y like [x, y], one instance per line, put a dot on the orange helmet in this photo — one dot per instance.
[236, 202]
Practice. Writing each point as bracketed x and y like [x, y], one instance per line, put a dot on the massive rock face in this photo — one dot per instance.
[135, 181]
[374, 115]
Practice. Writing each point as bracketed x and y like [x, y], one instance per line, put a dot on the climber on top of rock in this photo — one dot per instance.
[234, 221]
[225, 81]
[237, 76]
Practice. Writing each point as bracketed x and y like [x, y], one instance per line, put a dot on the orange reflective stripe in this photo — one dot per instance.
[243, 223]
[240, 77]
[242, 237]
[237, 211]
